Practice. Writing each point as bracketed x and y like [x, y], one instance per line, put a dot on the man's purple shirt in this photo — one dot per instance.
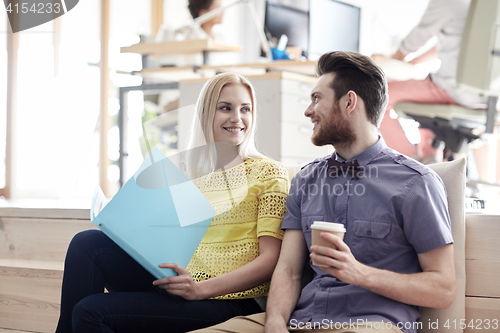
[396, 209]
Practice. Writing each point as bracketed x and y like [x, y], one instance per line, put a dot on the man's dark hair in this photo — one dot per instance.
[195, 6]
[360, 74]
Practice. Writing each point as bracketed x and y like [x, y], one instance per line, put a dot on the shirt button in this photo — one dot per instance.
[369, 232]
[340, 219]
[307, 227]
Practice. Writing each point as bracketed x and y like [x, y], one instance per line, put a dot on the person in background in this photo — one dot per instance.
[186, 32]
[198, 8]
[397, 252]
[444, 20]
[230, 271]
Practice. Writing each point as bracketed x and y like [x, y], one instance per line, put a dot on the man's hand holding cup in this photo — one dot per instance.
[318, 227]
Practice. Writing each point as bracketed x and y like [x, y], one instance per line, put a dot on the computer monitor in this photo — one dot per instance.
[333, 26]
[289, 21]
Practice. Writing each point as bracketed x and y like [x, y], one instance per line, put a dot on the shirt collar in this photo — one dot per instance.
[366, 156]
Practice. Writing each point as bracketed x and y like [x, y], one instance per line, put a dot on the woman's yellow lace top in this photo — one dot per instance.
[249, 201]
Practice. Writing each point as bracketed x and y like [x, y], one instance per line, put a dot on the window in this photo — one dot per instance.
[58, 106]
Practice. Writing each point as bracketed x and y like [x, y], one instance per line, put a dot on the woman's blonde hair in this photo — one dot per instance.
[202, 161]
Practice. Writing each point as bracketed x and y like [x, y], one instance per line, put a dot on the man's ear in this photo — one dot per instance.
[351, 101]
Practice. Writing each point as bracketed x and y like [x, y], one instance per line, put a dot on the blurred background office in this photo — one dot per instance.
[59, 92]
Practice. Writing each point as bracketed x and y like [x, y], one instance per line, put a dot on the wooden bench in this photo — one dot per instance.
[482, 266]
[33, 243]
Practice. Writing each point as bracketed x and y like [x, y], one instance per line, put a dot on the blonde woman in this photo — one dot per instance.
[233, 264]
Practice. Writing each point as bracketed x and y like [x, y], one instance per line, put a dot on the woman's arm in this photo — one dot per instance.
[248, 276]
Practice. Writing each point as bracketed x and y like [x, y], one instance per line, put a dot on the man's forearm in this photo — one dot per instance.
[435, 287]
[429, 289]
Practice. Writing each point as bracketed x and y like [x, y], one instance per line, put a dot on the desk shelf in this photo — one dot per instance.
[179, 47]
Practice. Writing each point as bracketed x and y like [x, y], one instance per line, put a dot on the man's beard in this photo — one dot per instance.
[334, 130]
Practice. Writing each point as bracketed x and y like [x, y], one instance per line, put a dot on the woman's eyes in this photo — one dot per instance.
[228, 108]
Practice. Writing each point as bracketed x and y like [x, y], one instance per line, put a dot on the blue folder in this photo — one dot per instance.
[158, 216]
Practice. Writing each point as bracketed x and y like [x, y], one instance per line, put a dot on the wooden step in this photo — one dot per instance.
[38, 238]
[30, 293]
[56, 213]
[33, 245]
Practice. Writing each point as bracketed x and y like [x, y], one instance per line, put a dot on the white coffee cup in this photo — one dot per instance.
[317, 227]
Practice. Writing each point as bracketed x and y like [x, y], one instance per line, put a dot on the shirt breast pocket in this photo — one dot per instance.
[371, 240]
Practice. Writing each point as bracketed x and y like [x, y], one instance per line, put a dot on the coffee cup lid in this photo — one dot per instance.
[328, 226]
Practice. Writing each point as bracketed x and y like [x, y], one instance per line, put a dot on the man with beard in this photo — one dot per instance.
[397, 252]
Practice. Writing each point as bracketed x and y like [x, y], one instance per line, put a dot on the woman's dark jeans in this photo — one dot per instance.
[133, 304]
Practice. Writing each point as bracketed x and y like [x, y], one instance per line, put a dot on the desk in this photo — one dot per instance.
[178, 48]
[168, 73]
[394, 70]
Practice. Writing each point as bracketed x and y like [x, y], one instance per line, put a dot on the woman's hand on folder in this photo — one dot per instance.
[181, 285]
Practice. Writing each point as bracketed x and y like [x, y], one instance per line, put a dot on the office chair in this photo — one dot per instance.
[478, 68]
